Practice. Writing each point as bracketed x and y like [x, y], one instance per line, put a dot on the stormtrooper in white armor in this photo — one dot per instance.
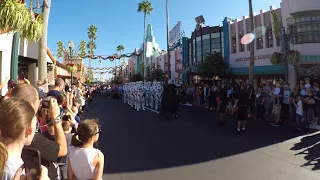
[159, 90]
[147, 90]
[152, 94]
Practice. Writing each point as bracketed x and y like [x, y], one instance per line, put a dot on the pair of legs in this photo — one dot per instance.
[242, 116]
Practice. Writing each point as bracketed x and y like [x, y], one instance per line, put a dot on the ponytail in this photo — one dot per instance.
[75, 141]
[3, 157]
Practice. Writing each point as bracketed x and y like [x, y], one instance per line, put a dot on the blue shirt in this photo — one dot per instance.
[53, 93]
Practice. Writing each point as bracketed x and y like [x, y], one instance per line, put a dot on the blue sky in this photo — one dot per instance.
[118, 21]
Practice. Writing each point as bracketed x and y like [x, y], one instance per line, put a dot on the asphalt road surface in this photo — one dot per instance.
[142, 146]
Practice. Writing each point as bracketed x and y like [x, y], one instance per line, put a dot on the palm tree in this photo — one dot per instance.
[251, 62]
[115, 55]
[120, 48]
[146, 8]
[43, 74]
[92, 35]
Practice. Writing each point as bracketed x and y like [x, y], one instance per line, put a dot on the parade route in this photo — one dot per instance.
[143, 146]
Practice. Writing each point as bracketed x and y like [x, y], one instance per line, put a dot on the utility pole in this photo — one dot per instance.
[168, 48]
[90, 52]
[252, 45]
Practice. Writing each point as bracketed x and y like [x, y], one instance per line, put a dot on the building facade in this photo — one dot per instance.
[203, 41]
[25, 63]
[305, 39]
[306, 31]
[265, 44]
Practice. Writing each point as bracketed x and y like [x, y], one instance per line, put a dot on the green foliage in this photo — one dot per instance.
[155, 74]
[120, 48]
[60, 50]
[33, 31]
[213, 65]
[145, 7]
[15, 16]
[293, 57]
[93, 47]
[277, 59]
[136, 77]
[92, 35]
[276, 25]
[82, 48]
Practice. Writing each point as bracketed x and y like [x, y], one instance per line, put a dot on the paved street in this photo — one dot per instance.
[140, 146]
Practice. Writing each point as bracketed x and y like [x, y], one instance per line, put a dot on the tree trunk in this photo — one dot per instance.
[144, 53]
[251, 62]
[42, 60]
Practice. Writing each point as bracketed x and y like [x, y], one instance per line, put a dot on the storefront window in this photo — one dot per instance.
[307, 27]
[234, 45]
[269, 38]
[242, 49]
[259, 43]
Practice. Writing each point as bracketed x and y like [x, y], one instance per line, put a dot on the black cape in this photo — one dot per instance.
[170, 101]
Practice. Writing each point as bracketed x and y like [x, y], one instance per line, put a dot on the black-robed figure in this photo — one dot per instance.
[169, 102]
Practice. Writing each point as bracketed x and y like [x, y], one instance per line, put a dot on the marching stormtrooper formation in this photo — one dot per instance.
[143, 94]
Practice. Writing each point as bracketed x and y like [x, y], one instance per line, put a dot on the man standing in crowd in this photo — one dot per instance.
[59, 86]
[49, 150]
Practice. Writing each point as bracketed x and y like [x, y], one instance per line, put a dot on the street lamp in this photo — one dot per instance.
[71, 48]
[287, 37]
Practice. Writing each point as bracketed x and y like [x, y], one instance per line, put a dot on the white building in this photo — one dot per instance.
[27, 59]
[306, 39]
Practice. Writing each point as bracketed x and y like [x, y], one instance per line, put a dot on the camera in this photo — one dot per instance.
[45, 104]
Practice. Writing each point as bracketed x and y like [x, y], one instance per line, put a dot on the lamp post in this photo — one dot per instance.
[286, 38]
[168, 48]
[71, 48]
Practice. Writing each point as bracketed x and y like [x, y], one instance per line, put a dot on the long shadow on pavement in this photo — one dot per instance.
[139, 141]
[311, 147]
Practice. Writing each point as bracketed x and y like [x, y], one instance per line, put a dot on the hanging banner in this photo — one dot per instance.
[175, 33]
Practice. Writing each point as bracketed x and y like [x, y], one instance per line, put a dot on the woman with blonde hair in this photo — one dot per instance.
[17, 129]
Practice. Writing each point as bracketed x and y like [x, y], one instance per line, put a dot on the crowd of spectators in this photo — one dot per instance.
[52, 124]
[275, 102]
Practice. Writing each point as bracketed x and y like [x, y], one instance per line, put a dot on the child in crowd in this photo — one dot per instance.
[235, 107]
[229, 109]
[299, 113]
[276, 91]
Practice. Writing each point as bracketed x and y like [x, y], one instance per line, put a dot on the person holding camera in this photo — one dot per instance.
[49, 150]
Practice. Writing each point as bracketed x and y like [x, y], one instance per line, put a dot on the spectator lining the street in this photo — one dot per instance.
[17, 127]
[85, 162]
[49, 150]
[243, 102]
[59, 86]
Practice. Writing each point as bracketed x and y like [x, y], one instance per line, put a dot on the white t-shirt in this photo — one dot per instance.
[307, 86]
[12, 166]
[299, 109]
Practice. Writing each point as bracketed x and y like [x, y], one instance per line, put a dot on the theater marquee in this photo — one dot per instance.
[255, 58]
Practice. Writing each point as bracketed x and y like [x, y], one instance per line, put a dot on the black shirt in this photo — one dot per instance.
[317, 94]
[49, 151]
[242, 96]
[308, 106]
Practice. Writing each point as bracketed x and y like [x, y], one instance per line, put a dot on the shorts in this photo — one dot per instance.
[242, 113]
[276, 109]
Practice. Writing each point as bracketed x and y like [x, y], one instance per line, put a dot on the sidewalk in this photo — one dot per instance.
[312, 126]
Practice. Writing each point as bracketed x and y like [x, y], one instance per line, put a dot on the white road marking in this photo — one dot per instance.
[152, 110]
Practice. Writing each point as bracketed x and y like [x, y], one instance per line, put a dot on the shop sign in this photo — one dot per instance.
[311, 58]
[255, 58]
